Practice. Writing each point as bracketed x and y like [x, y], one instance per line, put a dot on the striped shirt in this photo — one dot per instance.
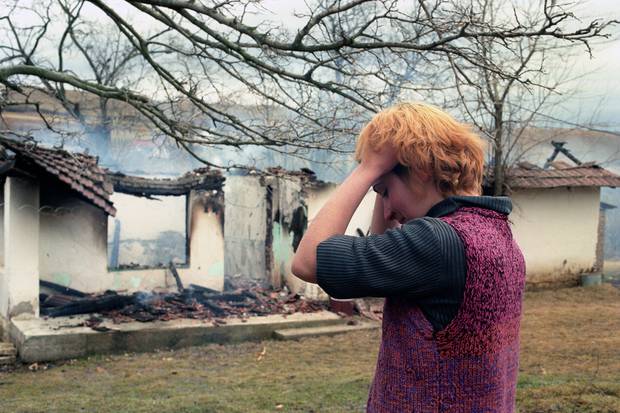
[423, 261]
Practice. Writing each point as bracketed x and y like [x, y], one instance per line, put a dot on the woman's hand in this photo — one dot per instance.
[380, 161]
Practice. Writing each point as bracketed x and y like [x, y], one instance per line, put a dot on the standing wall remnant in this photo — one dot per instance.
[19, 283]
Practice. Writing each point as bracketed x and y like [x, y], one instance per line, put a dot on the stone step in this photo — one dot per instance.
[7, 349]
[59, 338]
[298, 333]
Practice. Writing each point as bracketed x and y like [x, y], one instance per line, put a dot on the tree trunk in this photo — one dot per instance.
[498, 164]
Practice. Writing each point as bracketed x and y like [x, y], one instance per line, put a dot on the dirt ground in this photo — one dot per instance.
[570, 362]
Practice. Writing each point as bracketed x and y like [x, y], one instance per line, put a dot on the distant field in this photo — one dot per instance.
[612, 267]
[570, 362]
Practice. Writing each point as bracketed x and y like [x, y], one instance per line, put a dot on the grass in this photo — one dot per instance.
[570, 362]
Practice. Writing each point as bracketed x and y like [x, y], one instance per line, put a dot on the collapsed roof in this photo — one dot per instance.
[82, 174]
[198, 179]
[79, 172]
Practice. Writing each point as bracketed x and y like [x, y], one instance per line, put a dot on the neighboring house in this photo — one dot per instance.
[55, 226]
[558, 219]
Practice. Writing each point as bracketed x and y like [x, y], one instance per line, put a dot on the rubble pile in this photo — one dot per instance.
[193, 302]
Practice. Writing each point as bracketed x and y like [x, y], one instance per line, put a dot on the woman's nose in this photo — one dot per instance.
[387, 210]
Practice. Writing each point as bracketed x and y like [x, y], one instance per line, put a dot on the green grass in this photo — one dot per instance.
[321, 375]
[570, 362]
[568, 394]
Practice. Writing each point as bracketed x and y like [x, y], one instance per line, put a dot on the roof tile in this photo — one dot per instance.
[583, 175]
[79, 171]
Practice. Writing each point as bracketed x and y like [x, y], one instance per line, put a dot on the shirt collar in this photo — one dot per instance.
[501, 204]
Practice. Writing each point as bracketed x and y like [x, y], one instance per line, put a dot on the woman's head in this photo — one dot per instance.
[430, 144]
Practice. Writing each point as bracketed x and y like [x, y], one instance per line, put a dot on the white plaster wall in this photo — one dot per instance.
[282, 250]
[73, 236]
[146, 224]
[129, 281]
[206, 246]
[317, 197]
[73, 240]
[245, 227]
[557, 231]
[205, 262]
[19, 279]
[287, 198]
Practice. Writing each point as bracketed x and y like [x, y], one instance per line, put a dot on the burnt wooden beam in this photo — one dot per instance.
[149, 187]
[89, 305]
[58, 300]
[202, 289]
[217, 310]
[61, 289]
[175, 274]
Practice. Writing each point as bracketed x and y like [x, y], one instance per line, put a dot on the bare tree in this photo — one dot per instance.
[507, 100]
[110, 61]
[343, 62]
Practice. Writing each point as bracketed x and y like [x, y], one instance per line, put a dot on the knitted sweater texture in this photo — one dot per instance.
[472, 364]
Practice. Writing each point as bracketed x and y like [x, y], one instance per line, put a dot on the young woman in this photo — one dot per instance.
[442, 255]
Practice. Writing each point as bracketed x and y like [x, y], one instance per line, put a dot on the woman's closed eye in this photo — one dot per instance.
[381, 190]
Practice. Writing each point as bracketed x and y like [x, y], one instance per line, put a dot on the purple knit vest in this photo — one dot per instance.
[472, 364]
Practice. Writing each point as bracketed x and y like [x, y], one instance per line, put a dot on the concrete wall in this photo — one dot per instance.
[206, 254]
[285, 199]
[557, 230]
[206, 243]
[152, 232]
[245, 228]
[262, 221]
[19, 279]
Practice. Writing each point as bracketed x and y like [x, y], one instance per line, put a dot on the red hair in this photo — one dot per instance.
[428, 141]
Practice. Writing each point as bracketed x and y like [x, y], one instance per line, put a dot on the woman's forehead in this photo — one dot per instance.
[383, 181]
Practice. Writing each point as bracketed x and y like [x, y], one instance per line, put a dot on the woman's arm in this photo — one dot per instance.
[336, 214]
[332, 219]
[378, 224]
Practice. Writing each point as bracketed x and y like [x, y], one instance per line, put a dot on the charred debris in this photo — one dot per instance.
[194, 302]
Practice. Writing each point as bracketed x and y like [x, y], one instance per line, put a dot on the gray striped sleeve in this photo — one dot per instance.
[405, 261]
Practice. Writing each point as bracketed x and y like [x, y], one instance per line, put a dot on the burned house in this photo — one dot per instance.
[56, 206]
[65, 228]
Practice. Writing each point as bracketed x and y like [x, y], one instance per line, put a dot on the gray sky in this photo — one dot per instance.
[600, 87]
